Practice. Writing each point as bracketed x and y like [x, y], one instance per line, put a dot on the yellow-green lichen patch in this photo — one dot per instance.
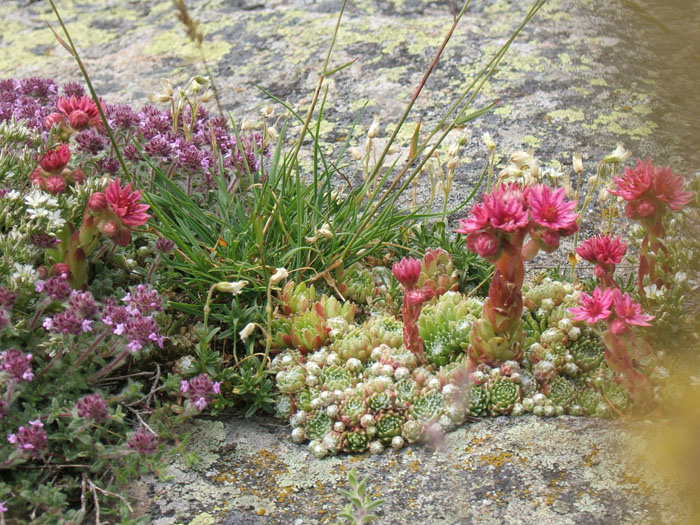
[621, 123]
[203, 519]
[206, 437]
[173, 42]
[569, 115]
[530, 141]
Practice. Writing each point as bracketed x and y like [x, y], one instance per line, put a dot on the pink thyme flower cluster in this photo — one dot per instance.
[144, 298]
[140, 329]
[201, 390]
[143, 442]
[649, 191]
[92, 406]
[605, 252]
[17, 364]
[55, 288]
[77, 318]
[7, 301]
[502, 219]
[618, 310]
[52, 174]
[31, 440]
[116, 211]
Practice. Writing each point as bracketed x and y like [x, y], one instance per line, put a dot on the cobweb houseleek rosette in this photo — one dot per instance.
[496, 230]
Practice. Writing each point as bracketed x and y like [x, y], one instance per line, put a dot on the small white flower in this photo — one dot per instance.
[280, 274]
[247, 331]
[230, 287]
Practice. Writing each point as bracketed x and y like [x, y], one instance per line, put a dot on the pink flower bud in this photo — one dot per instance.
[56, 159]
[53, 119]
[407, 271]
[110, 229]
[55, 184]
[618, 327]
[60, 269]
[37, 178]
[600, 271]
[646, 208]
[97, 202]
[79, 120]
[76, 176]
[484, 244]
[415, 297]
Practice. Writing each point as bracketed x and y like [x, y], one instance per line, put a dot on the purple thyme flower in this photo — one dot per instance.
[121, 116]
[93, 407]
[73, 89]
[144, 298]
[43, 88]
[17, 364]
[7, 298]
[44, 240]
[164, 245]
[158, 148]
[201, 390]
[56, 287]
[143, 442]
[4, 319]
[114, 315]
[66, 322]
[31, 440]
[90, 141]
[141, 330]
[108, 164]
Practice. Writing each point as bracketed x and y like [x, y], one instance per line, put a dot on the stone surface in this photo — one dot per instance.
[583, 76]
[525, 470]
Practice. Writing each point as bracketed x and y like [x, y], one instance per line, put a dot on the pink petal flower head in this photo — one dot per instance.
[415, 297]
[548, 239]
[81, 112]
[54, 119]
[629, 311]
[602, 249]
[125, 204]
[506, 209]
[56, 159]
[478, 220]
[593, 308]
[646, 208]
[483, 243]
[669, 188]
[407, 271]
[550, 209]
[634, 181]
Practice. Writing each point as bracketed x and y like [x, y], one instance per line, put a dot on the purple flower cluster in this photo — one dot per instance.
[77, 318]
[31, 440]
[7, 301]
[201, 390]
[143, 442]
[135, 320]
[17, 364]
[56, 288]
[93, 407]
[29, 99]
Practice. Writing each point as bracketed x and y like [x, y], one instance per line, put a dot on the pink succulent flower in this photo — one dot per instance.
[550, 209]
[483, 243]
[628, 311]
[117, 211]
[634, 181]
[593, 308]
[80, 112]
[669, 188]
[56, 159]
[407, 271]
[602, 249]
[506, 209]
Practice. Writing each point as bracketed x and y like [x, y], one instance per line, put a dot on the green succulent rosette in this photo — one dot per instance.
[284, 407]
[308, 331]
[588, 351]
[389, 426]
[438, 272]
[478, 401]
[616, 394]
[336, 378]
[291, 380]
[487, 347]
[296, 299]
[303, 399]
[503, 394]
[428, 406]
[380, 401]
[534, 324]
[384, 329]
[407, 390]
[357, 284]
[352, 410]
[281, 328]
[356, 343]
[591, 401]
[317, 426]
[355, 441]
[444, 327]
[412, 430]
[329, 307]
[561, 391]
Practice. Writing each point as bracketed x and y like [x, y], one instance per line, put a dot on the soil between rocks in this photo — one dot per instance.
[583, 76]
